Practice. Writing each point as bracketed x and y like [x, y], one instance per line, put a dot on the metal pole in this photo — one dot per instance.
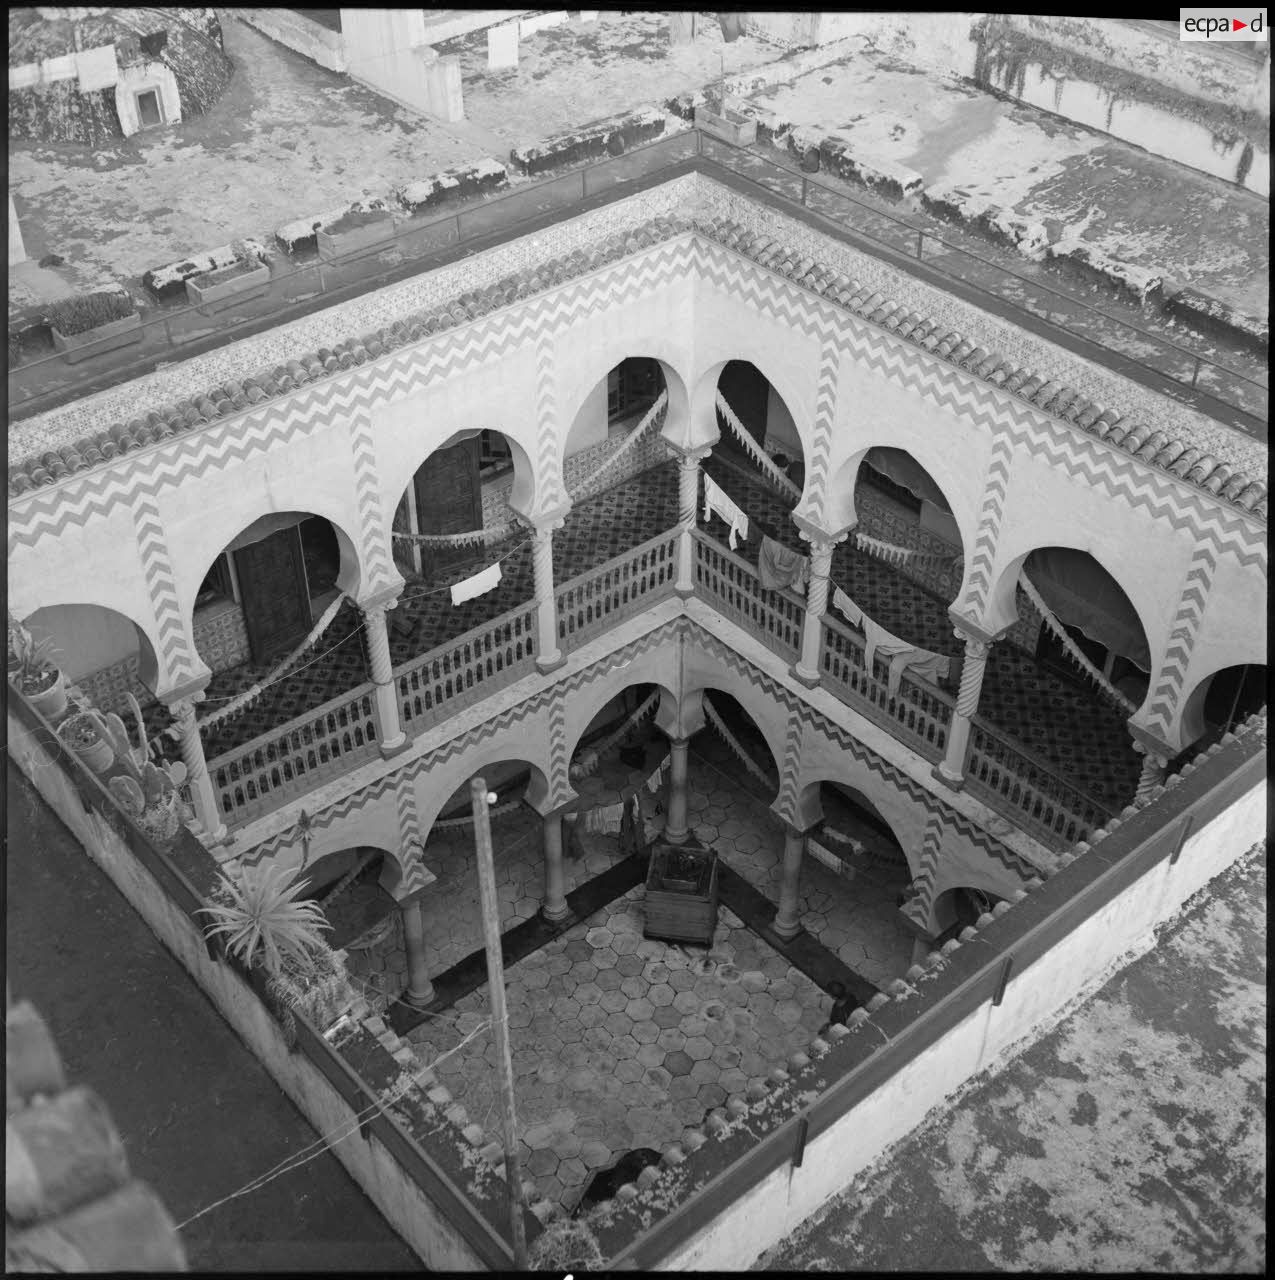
[499, 1021]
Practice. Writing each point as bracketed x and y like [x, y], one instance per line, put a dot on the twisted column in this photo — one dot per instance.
[675, 828]
[951, 769]
[554, 907]
[821, 549]
[1152, 775]
[688, 464]
[393, 739]
[420, 990]
[787, 917]
[207, 810]
[548, 655]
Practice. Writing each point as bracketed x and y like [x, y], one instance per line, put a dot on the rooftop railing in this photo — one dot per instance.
[424, 243]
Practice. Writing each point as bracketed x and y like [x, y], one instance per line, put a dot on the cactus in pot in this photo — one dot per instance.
[150, 795]
[99, 740]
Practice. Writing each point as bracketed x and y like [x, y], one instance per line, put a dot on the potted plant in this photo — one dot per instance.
[357, 228]
[267, 924]
[247, 276]
[93, 323]
[97, 739]
[32, 669]
[152, 798]
[681, 892]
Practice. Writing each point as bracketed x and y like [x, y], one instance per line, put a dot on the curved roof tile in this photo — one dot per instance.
[1149, 445]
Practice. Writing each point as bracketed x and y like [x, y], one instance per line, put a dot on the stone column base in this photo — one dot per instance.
[947, 779]
[551, 662]
[395, 746]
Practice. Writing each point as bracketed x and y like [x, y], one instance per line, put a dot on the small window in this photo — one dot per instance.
[148, 108]
[216, 584]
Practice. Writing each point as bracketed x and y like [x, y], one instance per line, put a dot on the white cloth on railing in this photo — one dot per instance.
[717, 502]
[847, 607]
[477, 584]
[777, 566]
[899, 655]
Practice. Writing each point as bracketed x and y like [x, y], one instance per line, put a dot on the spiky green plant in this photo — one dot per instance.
[264, 919]
[319, 989]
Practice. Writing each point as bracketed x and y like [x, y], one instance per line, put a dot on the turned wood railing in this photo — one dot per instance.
[1008, 778]
[917, 712]
[266, 772]
[731, 586]
[595, 601]
[460, 672]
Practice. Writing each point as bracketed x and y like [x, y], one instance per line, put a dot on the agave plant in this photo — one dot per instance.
[264, 919]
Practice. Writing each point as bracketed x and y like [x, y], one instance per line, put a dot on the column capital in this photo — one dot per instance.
[193, 691]
[1147, 743]
[183, 709]
[1157, 754]
[380, 601]
[815, 534]
[689, 455]
[967, 629]
[545, 521]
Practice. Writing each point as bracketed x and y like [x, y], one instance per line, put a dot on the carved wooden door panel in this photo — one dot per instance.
[272, 586]
[449, 499]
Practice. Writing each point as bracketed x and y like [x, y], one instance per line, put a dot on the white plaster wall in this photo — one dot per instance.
[590, 424]
[17, 250]
[497, 395]
[873, 411]
[1144, 125]
[1034, 997]
[938, 40]
[137, 79]
[87, 639]
[291, 30]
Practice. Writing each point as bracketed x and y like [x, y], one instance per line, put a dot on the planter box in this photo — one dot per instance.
[367, 236]
[95, 342]
[227, 283]
[731, 126]
[453, 185]
[681, 893]
[612, 139]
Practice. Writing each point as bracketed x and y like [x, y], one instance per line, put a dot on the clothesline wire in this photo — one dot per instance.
[326, 1141]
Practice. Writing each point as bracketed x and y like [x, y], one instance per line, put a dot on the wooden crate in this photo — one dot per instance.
[681, 907]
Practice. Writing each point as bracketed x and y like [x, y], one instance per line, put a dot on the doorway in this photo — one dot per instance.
[449, 499]
[275, 597]
[149, 111]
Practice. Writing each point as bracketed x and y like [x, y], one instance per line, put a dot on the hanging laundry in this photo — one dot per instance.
[899, 655]
[716, 501]
[653, 782]
[928, 666]
[849, 610]
[777, 566]
[612, 817]
[477, 585]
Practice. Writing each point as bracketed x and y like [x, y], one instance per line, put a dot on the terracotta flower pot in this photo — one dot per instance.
[51, 702]
[96, 753]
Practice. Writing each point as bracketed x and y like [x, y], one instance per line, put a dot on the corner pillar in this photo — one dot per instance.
[951, 769]
[393, 738]
[420, 990]
[688, 465]
[787, 917]
[554, 906]
[675, 828]
[821, 549]
[203, 796]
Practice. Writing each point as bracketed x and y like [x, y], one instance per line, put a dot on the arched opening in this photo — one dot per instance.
[1219, 703]
[1063, 712]
[350, 887]
[257, 601]
[451, 906]
[959, 908]
[856, 833]
[466, 484]
[753, 479]
[902, 569]
[100, 649]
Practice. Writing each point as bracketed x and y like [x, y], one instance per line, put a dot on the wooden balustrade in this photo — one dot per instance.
[265, 773]
[731, 586]
[462, 671]
[917, 713]
[595, 601]
[1009, 779]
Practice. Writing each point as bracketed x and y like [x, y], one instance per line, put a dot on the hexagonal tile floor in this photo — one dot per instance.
[620, 1041]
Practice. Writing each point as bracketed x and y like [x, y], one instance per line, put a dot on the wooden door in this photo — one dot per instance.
[272, 585]
[449, 499]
